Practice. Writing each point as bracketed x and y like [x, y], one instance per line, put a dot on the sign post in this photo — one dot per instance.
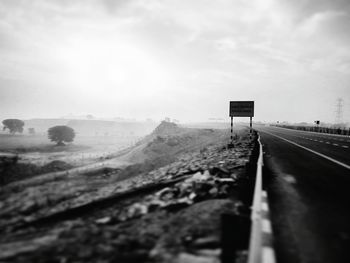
[250, 125]
[241, 109]
[317, 126]
[231, 130]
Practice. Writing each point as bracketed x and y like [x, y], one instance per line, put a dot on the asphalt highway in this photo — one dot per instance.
[307, 177]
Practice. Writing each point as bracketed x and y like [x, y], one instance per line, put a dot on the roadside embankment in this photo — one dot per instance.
[180, 222]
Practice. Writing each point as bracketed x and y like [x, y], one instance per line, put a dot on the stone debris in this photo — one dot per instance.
[206, 242]
[196, 188]
[209, 252]
[104, 220]
[207, 177]
[13, 248]
[190, 258]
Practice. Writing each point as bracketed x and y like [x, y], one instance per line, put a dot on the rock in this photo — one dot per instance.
[209, 252]
[187, 240]
[103, 220]
[206, 174]
[167, 194]
[13, 249]
[189, 258]
[223, 191]
[192, 196]
[186, 189]
[200, 177]
[155, 204]
[183, 171]
[176, 206]
[203, 186]
[220, 171]
[137, 209]
[178, 175]
[194, 168]
[225, 180]
[234, 176]
[206, 242]
[28, 207]
[213, 192]
[85, 253]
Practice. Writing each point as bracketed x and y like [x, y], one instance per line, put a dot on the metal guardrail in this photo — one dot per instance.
[324, 130]
[260, 248]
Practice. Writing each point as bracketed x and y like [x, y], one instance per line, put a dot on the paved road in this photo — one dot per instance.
[307, 176]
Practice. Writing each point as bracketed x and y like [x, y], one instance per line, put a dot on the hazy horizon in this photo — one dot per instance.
[236, 120]
[180, 59]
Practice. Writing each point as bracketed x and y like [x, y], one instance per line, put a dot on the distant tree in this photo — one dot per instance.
[13, 125]
[61, 134]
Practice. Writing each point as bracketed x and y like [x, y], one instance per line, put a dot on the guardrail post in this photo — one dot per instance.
[227, 238]
[234, 235]
[231, 143]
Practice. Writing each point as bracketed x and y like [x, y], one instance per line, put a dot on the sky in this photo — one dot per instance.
[184, 59]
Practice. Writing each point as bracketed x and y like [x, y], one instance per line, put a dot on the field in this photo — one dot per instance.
[37, 149]
[37, 155]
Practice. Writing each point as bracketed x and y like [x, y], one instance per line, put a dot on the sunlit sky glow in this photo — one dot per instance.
[185, 59]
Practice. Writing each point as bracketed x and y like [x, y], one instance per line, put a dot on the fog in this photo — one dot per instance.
[181, 59]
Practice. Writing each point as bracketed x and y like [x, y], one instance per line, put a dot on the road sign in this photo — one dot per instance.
[241, 108]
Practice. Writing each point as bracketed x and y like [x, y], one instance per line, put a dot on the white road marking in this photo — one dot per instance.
[305, 148]
[266, 226]
[289, 179]
[268, 255]
[264, 207]
[316, 133]
[335, 144]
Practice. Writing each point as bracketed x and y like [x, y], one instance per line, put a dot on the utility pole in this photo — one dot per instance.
[339, 112]
[231, 131]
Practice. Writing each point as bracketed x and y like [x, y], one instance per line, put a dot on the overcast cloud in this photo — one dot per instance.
[183, 59]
